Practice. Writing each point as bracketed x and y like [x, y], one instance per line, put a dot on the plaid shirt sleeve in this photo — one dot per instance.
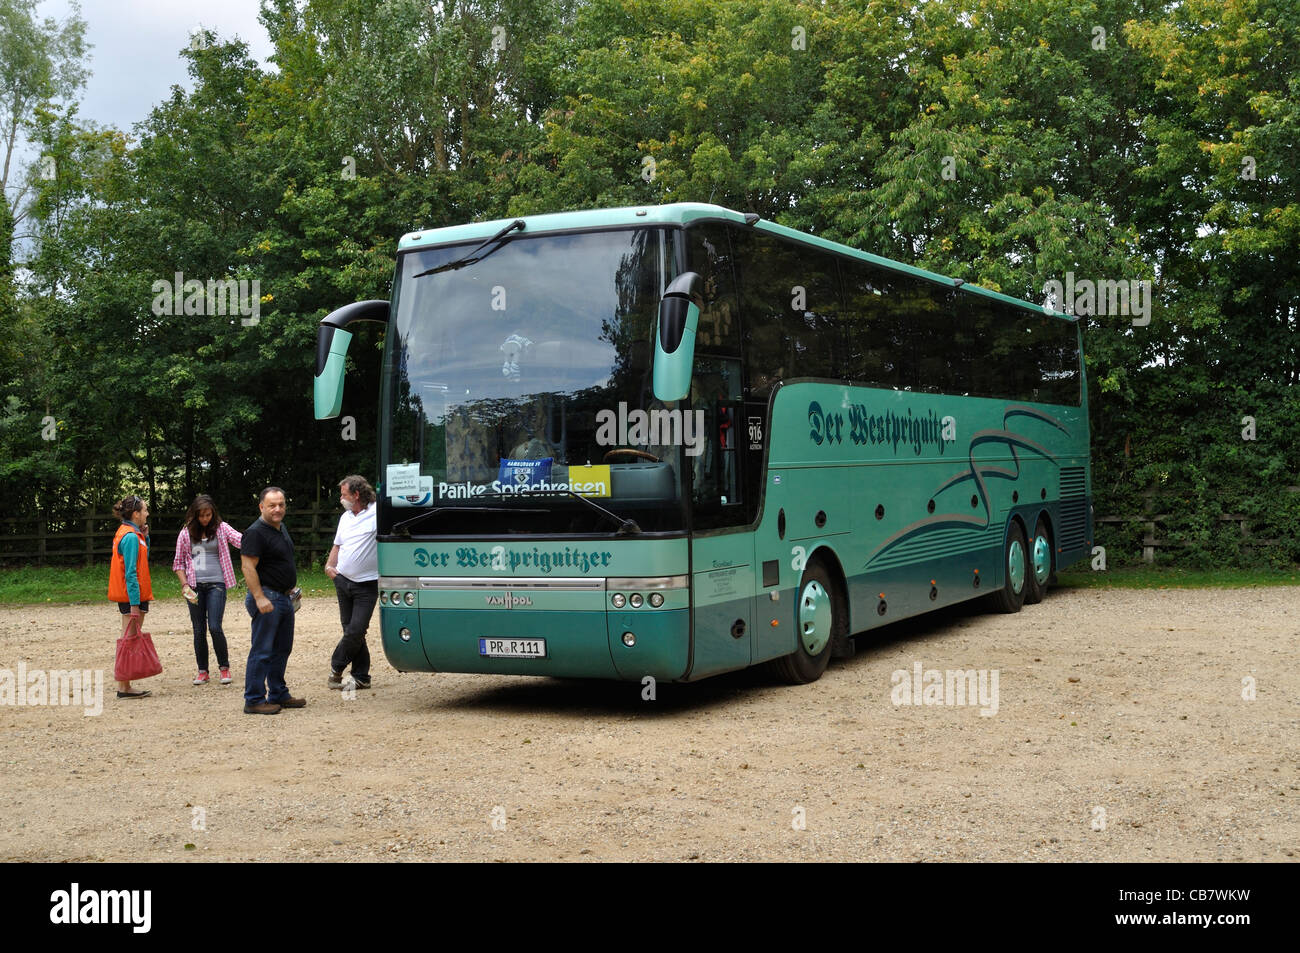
[227, 536]
[183, 561]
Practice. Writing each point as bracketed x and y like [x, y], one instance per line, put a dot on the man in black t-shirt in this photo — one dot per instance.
[266, 556]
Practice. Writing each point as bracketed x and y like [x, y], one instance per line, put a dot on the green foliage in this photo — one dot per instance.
[1006, 142]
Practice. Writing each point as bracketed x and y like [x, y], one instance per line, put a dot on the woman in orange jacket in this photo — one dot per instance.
[128, 575]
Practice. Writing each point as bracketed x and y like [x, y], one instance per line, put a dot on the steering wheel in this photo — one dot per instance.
[630, 452]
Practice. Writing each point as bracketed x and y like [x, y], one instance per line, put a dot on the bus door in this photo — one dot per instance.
[722, 547]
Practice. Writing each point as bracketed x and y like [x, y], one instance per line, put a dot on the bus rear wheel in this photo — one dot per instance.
[820, 618]
[1015, 569]
[1040, 564]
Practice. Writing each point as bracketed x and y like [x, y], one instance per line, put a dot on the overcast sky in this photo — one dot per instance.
[134, 59]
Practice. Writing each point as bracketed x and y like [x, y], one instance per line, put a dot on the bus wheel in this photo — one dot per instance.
[1015, 570]
[819, 617]
[1040, 565]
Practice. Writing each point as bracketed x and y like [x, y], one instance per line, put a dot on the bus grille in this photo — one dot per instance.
[1074, 509]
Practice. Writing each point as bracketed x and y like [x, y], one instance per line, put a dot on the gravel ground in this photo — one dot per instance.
[1121, 733]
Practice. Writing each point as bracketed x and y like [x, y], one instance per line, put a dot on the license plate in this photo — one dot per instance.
[512, 648]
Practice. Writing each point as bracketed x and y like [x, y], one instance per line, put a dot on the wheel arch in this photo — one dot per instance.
[825, 555]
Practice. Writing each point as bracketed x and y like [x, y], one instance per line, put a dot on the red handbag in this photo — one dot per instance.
[136, 656]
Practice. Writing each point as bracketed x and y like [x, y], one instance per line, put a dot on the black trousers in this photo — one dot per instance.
[356, 605]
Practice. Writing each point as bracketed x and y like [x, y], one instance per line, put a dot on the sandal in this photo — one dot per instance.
[143, 694]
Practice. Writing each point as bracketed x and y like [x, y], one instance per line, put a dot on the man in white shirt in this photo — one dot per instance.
[353, 564]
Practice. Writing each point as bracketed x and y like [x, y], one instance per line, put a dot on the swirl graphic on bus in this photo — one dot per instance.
[978, 474]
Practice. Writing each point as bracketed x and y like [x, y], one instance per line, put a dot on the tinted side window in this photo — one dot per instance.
[927, 313]
[1017, 354]
[877, 336]
[790, 297]
[708, 253]
[1054, 345]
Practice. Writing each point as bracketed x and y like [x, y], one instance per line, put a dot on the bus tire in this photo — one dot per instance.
[1015, 570]
[820, 618]
[1039, 556]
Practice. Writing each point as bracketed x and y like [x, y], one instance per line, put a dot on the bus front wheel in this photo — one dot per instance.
[820, 618]
[1015, 572]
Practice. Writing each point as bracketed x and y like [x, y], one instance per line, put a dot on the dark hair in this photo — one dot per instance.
[197, 530]
[270, 489]
[359, 485]
[128, 507]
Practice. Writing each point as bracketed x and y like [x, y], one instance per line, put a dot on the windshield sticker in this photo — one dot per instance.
[596, 477]
[402, 479]
[423, 498]
[525, 472]
[467, 490]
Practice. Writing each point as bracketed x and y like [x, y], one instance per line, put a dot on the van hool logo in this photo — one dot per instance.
[242, 297]
[509, 600]
[642, 428]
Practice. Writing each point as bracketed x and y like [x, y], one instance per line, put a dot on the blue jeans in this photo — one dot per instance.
[206, 613]
[268, 652]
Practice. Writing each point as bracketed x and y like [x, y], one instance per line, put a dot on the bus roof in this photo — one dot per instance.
[682, 213]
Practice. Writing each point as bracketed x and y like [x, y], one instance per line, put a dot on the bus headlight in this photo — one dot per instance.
[635, 600]
[656, 599]
[618, 600]
[629, 639]
[404, 634]
[410, 599]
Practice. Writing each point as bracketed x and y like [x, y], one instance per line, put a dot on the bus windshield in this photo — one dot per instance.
[524, 377]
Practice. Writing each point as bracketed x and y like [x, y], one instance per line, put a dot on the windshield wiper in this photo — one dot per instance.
[626, 527]
[463, 509]
[474, 255]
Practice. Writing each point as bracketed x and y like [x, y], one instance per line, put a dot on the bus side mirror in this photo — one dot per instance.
[332, 350]
[679, 317]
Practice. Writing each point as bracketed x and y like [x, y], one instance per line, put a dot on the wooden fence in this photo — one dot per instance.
[1151, 542]
[87, 540]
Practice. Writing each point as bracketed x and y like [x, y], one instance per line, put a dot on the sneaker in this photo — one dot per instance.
[290, 702]
[360, 682]
[225, 676]
[201, 678]
[261, 708]
[335, 680]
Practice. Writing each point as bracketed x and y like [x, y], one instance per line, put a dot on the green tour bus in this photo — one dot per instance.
[677, 441]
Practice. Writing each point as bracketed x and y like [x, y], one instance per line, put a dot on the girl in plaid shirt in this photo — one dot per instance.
[203, 566]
